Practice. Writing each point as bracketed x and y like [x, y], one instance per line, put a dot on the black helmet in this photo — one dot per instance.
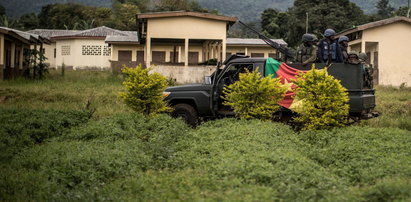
[329, 32]
[342, 38]
[308, 38]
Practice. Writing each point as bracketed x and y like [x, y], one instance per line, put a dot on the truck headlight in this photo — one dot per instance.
[166, 94]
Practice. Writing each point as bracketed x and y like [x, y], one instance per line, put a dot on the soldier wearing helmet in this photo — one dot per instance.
[307, 51]
[353, 58]
[343, 44]
[367, 70]
[328, 50]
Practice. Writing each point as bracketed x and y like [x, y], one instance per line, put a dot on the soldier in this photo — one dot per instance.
[367, 69]
[343, 43]
[353, 58]
[307, 51]
[328, 50]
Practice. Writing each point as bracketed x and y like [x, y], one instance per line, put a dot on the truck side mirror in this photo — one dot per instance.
[207, 80]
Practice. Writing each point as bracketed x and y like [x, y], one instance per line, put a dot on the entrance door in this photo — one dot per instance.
[376, 71]
[193, 58]
[124, 56]
[159, 57]
[140, 58]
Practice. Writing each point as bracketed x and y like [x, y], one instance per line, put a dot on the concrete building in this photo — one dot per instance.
[179, 44]
[13, 46]
[387, 44]
[84, 49]
[175, 44]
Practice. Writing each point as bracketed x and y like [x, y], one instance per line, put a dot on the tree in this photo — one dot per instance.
[254, 97]
[68, 16]
[124, 16]
[323, 14]
[180, 5]
[403, 11]
[274, 23]
[323, 100]
[384, 9]
[29, 21]
[144, 91]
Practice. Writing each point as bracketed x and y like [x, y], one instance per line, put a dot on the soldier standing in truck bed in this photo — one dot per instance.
[328, 49]
[343, 44]
[307, 51]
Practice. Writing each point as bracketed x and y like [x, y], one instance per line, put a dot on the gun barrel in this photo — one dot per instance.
[268, 41]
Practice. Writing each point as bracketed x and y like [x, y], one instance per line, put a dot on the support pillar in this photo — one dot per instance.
[186, 52]
[13, 55]
[224, 50]
[21, 57]
[245, 51]
[148, 52]
[363, 46]
[179, 54]
[1, 50]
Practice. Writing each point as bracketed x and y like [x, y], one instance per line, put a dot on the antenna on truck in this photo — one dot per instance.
[284, 50]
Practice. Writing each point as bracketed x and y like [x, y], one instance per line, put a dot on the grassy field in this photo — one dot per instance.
[71, 138]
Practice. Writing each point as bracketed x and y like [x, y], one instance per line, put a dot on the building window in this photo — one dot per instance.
[257, 55]
[55, 53]
[106, 51]
[91, 50]
[65, 50]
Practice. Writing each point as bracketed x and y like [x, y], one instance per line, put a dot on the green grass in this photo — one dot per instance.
[394, 104]
[53, 151]
[74, 91]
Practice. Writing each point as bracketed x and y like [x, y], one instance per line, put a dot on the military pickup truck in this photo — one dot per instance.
[194, 102]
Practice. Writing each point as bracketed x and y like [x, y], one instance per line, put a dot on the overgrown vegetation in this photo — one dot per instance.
[323, 100]
[119, 155]
[144, 90]
[253, 96]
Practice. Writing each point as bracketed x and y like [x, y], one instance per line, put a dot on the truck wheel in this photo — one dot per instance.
[187, 113]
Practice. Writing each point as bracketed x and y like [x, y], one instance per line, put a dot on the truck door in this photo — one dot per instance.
[228, 76]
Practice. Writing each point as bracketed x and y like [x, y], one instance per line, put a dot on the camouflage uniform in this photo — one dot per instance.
[367, 70]
[307, 51]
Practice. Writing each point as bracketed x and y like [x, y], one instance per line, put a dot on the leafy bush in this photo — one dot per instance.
[85, 158]
[23, 127]
[262, 155]
[324, 100]
[359, 154]
[253, 96]
[144, 90]
[157, 133]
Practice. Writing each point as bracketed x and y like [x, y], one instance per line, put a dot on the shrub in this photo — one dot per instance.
[260, 155]
[144, 90]
[23, 127]
[324, 100]
[158, 134]
[361, 155]
[253, 96]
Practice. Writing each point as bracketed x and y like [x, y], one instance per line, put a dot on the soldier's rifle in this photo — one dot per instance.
[268, 41]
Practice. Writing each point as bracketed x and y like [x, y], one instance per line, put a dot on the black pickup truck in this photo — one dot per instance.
[193, 102]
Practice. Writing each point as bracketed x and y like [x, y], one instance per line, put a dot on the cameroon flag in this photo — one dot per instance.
[277, 69]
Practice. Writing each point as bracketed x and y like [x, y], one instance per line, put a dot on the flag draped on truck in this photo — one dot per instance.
[276, 69]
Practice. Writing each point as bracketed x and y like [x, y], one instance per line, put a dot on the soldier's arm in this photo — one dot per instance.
[313, 57]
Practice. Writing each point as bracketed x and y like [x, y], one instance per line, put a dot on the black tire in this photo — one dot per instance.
[187, 112]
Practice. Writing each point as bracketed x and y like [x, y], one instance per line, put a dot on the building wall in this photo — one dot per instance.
[49, 54]
[168, 48]
[248, 50]
[185, 74]
[393, 52]
[70, 52]
[186, 27]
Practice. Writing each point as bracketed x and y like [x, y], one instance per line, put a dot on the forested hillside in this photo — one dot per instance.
[247, 10]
